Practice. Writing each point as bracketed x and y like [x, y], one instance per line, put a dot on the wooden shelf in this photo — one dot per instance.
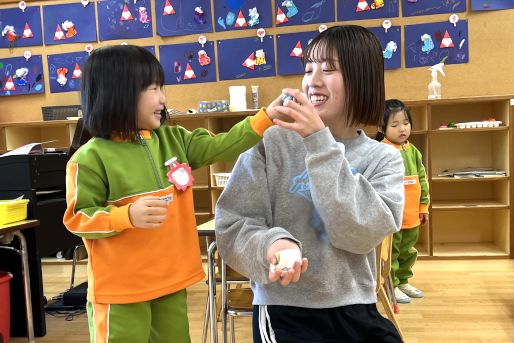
[470, 217]
[200, 187]
[202, 212]
[468, 250]
[467, 179]
[471, 130]
[57, 133]
[439, 205]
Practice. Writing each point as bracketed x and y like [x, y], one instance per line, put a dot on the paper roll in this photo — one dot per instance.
[237, 98]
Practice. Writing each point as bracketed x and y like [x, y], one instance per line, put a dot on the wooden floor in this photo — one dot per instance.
[465, 301]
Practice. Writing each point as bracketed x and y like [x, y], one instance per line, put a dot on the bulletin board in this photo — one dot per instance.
[488, 72]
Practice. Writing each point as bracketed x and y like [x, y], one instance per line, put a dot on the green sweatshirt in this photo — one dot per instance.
[417, 198]
[104, 177]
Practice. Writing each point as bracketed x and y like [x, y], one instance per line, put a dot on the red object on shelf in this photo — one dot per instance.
[5, 307]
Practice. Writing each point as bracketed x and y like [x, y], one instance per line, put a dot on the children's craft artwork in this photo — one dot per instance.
[20, 28]
[366, 9]
[20, 75]
[242, 14]
[118, 19]
[290, 48]
[65, 71]
[489, 5]
[429, 44]
[69, 23]
[188, 63]
[245, 58]
[391, 42]
[426, 7]
[182, 17]
[303, 12]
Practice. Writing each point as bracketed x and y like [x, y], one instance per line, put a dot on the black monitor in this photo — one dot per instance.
[80, 137]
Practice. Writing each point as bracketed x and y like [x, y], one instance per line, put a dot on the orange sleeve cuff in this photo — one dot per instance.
[423, 208]
[120, 219]
[260, 122]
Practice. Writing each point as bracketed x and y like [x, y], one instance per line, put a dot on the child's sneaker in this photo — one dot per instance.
[401, 298]
[411, 291]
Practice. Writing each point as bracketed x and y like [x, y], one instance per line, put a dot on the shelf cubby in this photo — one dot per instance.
[468, 110]
[481, 232]
[477, 193]
[465, 149]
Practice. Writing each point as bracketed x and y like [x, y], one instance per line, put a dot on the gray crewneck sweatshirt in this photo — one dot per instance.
[337, 199]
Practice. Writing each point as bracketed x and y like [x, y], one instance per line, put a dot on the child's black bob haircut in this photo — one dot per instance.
[392, 106]
[112, 81]
[361, 62]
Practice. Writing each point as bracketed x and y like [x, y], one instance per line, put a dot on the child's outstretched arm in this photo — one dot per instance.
[204, 147]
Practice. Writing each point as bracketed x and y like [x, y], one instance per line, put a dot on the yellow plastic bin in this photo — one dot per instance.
[13, 210]
[5, 307]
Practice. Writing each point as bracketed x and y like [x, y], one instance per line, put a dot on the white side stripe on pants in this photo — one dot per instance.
[264, 323]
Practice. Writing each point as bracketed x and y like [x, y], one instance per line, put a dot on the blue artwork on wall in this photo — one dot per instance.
[429, 44]
[188, 63]
[290, 48]
[391, 42]
[20, 28]
[20, 76]
[489, 5]
[65, 71]
[426, 7]
[244, 58]
[304, 12]
[150, 48]
[69, 23]
[242, 14]
[366, 9]
[183, 17]
[118, 19]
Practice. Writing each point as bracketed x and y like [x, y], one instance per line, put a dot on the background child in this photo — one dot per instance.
[138, 224]
[395, 131]
[318, 184]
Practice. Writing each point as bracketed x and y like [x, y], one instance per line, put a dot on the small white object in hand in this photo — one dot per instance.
[286, 259]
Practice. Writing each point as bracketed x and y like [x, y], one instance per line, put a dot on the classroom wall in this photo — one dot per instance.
[490, 70]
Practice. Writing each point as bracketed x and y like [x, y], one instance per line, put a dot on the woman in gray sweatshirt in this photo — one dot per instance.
[316, 183]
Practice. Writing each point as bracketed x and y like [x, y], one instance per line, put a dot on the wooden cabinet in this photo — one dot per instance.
[471, 216]
[58, 134]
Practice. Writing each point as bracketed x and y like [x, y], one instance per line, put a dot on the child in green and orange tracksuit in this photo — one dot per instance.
[395, 130]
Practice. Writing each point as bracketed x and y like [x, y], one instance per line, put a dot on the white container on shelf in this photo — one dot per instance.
[221, 179]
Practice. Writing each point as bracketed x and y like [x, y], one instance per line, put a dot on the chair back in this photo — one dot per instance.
[383, 259]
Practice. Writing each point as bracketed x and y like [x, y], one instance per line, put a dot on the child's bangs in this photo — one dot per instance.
[151, 73]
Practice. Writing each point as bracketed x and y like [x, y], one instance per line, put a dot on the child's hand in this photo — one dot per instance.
[290, 275]
[423, 218]
[148, 212]
[300, 114]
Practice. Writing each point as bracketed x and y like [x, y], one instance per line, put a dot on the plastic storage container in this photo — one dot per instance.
[221, 179]
[5, 307]
[13, 210]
